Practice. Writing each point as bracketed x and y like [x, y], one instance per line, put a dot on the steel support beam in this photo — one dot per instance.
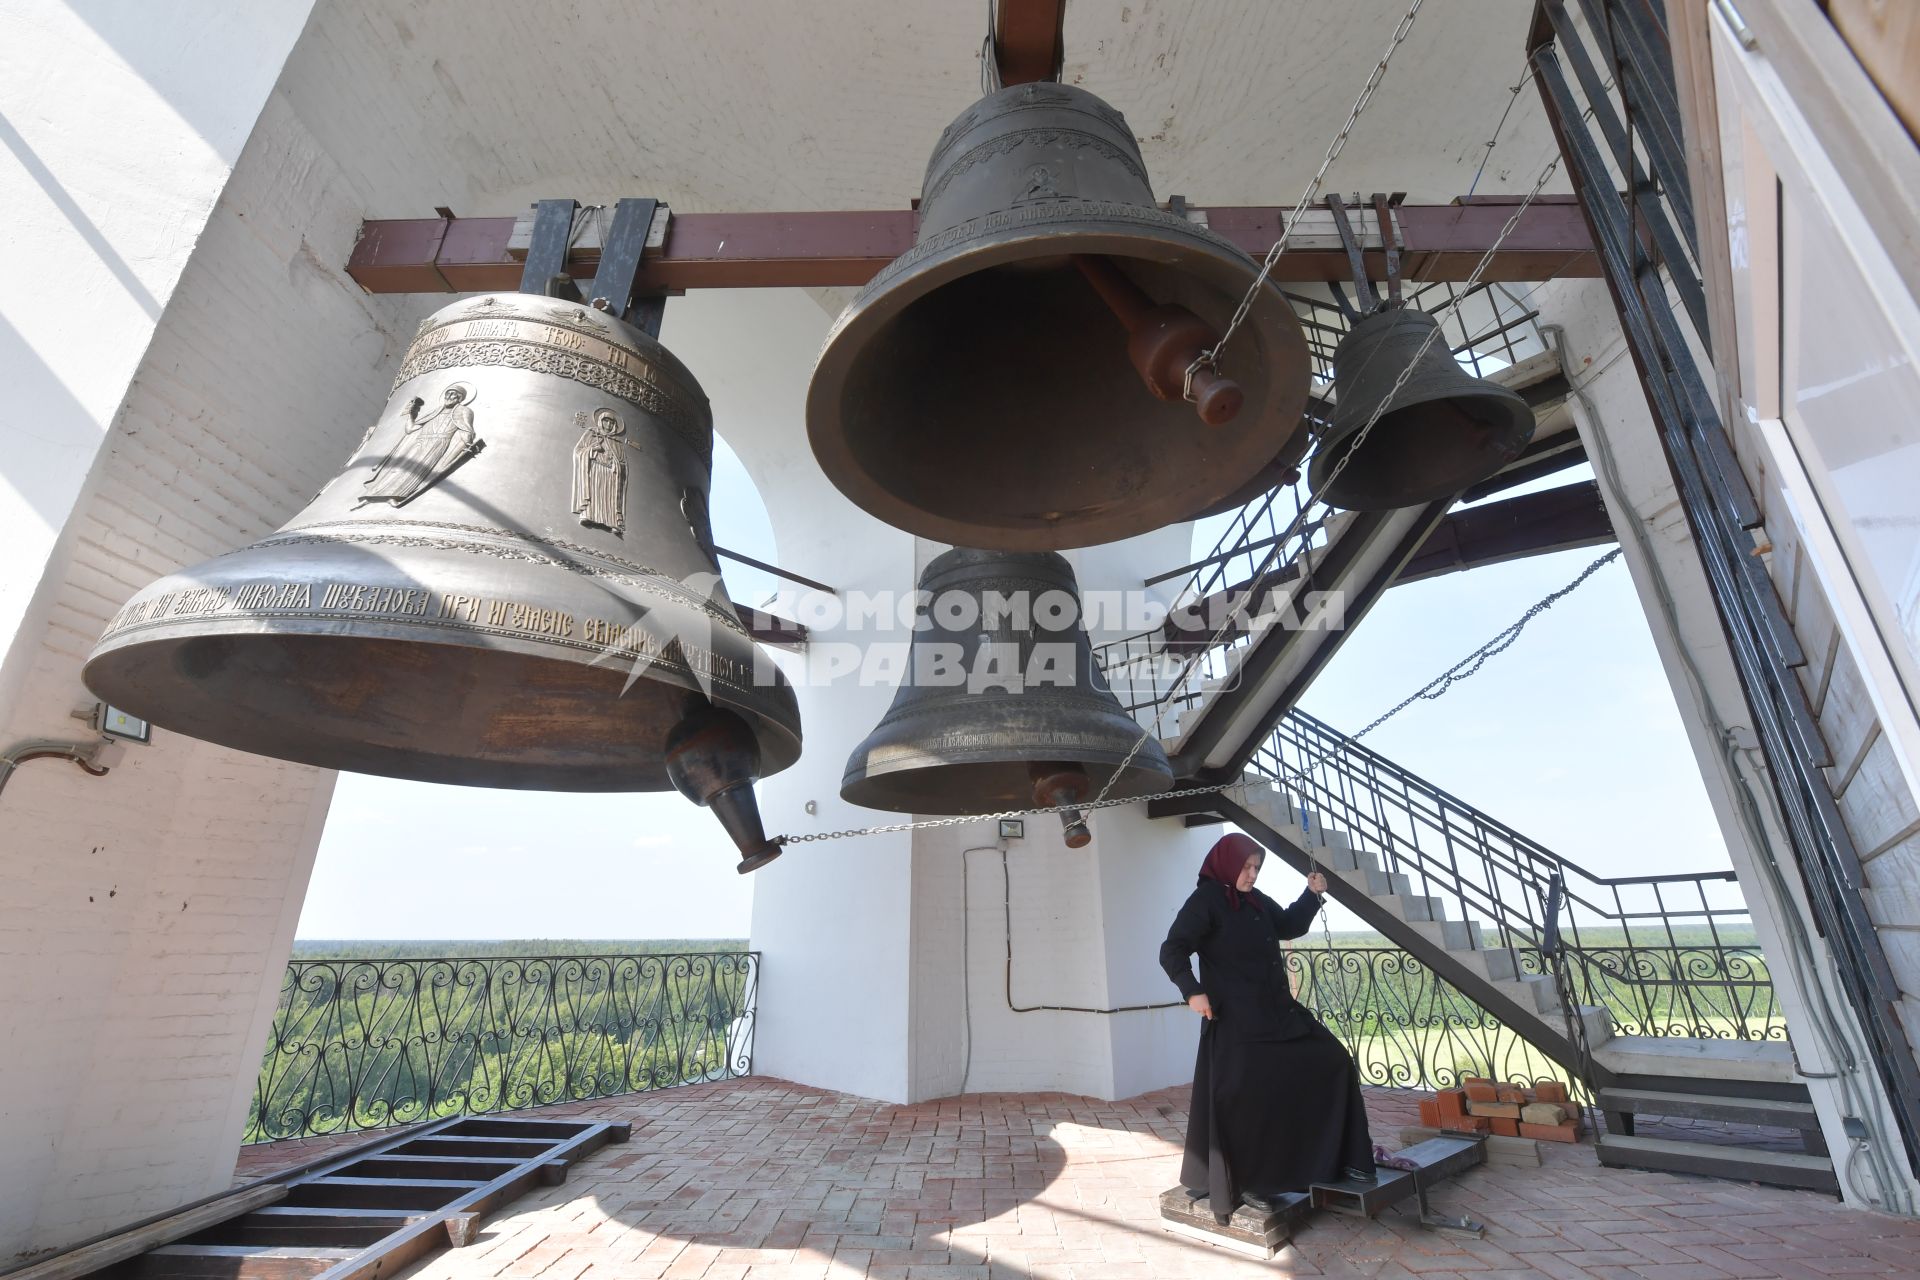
[1028, 39]
[1533, 524]
[848, 248]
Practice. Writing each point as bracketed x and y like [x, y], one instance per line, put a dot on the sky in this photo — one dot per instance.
[1570, 736]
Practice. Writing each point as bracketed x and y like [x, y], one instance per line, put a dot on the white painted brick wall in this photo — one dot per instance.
[149, 913]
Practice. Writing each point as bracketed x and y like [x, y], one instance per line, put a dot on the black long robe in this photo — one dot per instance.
[1276, 1098]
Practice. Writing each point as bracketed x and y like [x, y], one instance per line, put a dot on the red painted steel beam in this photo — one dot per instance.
[1028, 39]
[847, 248]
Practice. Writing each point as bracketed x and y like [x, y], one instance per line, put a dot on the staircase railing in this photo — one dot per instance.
[1661, 953]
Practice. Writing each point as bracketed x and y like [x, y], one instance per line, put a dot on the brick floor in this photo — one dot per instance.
[760, 1179]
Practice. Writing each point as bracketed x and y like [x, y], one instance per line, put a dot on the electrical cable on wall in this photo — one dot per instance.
[88, 755]
[1006, 900]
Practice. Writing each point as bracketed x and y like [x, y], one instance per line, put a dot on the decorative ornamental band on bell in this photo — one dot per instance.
[1050, 732]
[511, 584]
[1016, 380]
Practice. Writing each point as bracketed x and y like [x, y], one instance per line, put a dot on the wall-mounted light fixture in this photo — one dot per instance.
[112, 722]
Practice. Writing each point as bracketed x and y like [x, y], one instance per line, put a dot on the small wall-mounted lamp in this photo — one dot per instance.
[114, 723]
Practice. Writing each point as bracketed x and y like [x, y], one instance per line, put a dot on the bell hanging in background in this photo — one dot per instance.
[1443, 432]
[512, 585]
[1015, 381]
[1003, 706]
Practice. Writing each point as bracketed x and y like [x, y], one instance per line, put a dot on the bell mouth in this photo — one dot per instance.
[983, 396]
[398, 708]
[1426, 452]
[911, 782]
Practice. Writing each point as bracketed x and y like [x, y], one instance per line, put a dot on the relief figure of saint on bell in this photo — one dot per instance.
[600, 471]
[427, 450]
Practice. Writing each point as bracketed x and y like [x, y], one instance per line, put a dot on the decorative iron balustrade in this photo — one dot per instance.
[1635, 944]
[1702, 992]
[368, 1044]
[1406, 1027]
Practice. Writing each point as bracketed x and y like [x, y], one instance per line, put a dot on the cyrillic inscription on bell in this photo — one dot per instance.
[1019, 380]
[505, 587]
[1041, 730]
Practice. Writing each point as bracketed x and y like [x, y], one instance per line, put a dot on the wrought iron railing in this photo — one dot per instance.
[1664, 954]
[1266, 543]
[1405, 1026]
[368, 1044]
[1703, 992]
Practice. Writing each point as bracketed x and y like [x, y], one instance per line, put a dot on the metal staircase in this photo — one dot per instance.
[1593, 971]
[1256, 620]
[1481, 905]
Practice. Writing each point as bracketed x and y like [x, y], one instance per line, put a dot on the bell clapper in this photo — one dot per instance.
[1057, 783]
[713, 759]
[1163, 341]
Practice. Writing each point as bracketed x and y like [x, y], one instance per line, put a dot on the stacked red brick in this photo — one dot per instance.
[1512, 1111]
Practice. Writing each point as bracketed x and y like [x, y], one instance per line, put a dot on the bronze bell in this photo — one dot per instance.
[986, 388]
[1445, 431]
[519, 538]
[960, 738]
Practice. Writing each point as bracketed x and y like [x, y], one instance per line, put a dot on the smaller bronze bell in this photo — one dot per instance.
[1444, 431]
[955, 744]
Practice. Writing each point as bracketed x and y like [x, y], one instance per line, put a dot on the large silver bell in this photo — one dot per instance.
[511, 584]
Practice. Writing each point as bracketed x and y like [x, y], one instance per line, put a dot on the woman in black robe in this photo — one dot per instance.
[1276, 1098]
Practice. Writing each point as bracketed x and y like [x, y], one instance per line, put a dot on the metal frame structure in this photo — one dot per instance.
[448, 254]
[1642, 257]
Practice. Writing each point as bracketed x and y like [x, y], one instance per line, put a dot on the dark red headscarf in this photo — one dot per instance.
[1226, 860]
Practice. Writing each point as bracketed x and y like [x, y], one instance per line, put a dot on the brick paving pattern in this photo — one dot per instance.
[759, 1179]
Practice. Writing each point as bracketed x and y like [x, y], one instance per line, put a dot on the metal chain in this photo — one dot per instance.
[1454, 674]
[926, 823]
[1210, 359]
[1513, 96]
